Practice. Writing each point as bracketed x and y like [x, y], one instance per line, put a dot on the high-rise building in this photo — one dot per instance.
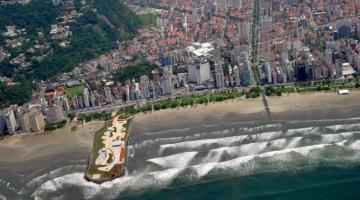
[133, 90]
[93, 100]
[86, 97]
[75, 103]
[127, 91]
[199, 72]
[244, 30]
[231, 76]
[182, 79]
[23, 117]
[245, 74]
[219, 75]
[37, 121]
[109, 97]
[167, 80]
[10, 120]
[144, 86]
[54, 115]
[156, 83]
[237, 76]
[2, 124]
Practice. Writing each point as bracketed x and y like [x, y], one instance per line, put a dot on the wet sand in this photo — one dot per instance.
[43, 150]
[309, 106]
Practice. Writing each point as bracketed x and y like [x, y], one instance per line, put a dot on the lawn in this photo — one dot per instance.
[307, 89]
[75, 90]
[287, 89]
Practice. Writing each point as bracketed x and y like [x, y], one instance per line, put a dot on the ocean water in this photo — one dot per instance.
[245, 160]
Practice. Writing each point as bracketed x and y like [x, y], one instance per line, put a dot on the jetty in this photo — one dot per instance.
[108, 156]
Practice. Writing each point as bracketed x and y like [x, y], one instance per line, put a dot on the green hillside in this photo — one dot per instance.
[100, 24]
[92, 34]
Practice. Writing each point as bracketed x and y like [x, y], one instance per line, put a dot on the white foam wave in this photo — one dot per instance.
[355, 145]
[55, 173]
[239, 164]
[174, 161]
[221, 133]
[303, 131]
[221, 142]
[170, 130]
[344, 127]
[8, 185]
[196, 144]
[242, 165]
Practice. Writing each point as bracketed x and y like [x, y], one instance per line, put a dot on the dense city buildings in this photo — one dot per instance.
[191, 46]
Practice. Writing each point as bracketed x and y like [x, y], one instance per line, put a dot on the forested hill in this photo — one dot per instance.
[86, 30]
[50, 39]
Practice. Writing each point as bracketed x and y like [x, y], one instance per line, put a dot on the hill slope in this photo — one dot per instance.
[84, 31]
[93, 31]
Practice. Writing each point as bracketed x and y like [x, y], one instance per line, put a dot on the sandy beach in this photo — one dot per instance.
[35, 149]
[289, 106]
[66, 144]
[32, 161]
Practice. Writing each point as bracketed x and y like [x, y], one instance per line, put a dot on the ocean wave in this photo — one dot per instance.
[38, 181]
[55, 173]
[8, 186]
[207, 144]
[264, 132]
[341, 127]
[2, 197]
[249, 131]
[174, 161]
[192, 155]
[285, 159]
[253, 127]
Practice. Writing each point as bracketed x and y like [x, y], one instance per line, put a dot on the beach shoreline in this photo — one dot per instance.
[309, 106]
[304, 106]
[63, 143]
[65, 152]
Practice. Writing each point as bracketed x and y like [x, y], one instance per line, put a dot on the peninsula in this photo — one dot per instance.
[107, 159]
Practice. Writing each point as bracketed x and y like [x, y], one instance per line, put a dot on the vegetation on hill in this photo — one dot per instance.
[118, 15]
[35, 16]
[101, 25]
[16, 94]
[92, 34]
[149, 19]
[135, 71]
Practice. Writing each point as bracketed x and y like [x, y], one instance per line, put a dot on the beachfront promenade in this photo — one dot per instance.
[115, 106]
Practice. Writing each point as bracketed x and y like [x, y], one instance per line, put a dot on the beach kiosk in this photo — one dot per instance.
[343, 92]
